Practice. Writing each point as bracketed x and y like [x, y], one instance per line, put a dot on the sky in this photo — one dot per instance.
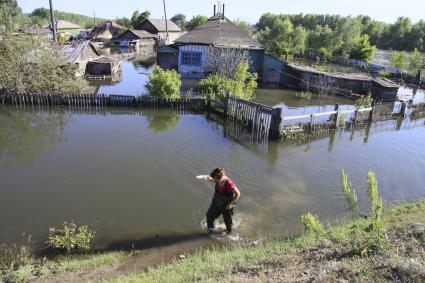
[248, 10]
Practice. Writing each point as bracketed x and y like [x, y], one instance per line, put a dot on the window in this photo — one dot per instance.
[191, 58]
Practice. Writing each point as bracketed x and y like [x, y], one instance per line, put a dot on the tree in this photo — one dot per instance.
[180, 20]
[137, 19]
[164, 83]
[415, 60]
[362, 49]
[196, 21]
[125, 22]
[241, 85]
[398, 60]
[225, 61]
[244, 26]
[10, 14]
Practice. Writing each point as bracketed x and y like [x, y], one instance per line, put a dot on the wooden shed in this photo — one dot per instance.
[168, 57]
[103, 67]
[106, 31]
[159, 28]
[80, 53]
[137, 38]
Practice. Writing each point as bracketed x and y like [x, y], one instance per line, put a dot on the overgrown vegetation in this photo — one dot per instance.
[312, 224]
[364, 102]
[28, 63]
[349, 193]
[304, 95]
[41, 16]
[71, 238]
[242, 84]
[164, 83]
[398, 60]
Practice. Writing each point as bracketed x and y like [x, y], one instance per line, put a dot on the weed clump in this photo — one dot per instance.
[71, 239]
[312, 224]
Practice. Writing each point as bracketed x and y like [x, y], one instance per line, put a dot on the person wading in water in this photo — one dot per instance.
[225, 196]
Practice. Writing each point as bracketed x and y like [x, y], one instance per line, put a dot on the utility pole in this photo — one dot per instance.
[52, 16]
[166, 23]
[94, 18]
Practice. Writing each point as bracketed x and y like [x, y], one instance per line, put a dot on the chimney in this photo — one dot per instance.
[223, 11]
[214, 10]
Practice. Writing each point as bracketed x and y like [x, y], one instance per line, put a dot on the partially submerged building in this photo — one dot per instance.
[136, 38]
[209, 41]
[106, 31]
[79, 53]
[167, 31]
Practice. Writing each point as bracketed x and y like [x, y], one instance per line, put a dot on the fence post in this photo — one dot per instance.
[276, 120]
[336, 115]
[311, 123]
[208, 102]
[372, 111]
[403, 109]
[226, 103]
[356, 114]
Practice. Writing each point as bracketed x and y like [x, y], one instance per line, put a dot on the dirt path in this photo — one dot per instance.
[135, 263]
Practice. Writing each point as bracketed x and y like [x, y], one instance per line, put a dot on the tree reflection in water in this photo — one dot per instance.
[163, 121]
[25, 135]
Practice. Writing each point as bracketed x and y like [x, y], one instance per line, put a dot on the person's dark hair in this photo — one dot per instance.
[217, 173]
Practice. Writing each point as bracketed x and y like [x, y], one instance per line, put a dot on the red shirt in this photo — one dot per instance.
[227, 189]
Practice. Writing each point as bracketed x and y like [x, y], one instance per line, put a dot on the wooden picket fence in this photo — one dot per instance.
[261, 119]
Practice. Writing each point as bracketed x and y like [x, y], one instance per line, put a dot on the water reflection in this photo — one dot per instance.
[28, 135]
[162, 121]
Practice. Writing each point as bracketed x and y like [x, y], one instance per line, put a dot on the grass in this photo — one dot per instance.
[336, 254]
[327, 257]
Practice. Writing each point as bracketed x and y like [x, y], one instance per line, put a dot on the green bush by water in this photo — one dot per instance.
[71, 239]
[164, 83]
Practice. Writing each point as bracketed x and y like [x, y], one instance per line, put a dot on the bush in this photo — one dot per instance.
[241, 85]
[164, 83]
[364, 102]
[349, 193]
[71, 238]
[311, 223]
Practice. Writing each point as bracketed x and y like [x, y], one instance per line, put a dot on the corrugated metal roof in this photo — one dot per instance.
[160, 25]
[221, 32]
[72, 51]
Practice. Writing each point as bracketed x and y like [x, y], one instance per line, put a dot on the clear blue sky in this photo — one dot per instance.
[248, 10]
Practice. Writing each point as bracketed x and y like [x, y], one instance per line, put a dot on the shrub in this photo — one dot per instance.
[349, 193]
[364, 102]
[311, 223]
[398, 60]
[241, 85]
[384, 74]
[71, 238]
[164, 83]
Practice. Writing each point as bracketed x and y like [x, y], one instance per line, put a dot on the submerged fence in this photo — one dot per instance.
[261, 119]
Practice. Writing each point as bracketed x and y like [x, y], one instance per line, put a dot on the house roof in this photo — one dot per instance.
[71, 52]
[160, 25]
[142, 33]
[61, 24]
[221, 32]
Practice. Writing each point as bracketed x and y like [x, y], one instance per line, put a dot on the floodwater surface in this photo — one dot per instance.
[132, 175]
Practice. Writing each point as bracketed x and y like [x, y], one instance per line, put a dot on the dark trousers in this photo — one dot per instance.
[213, 213]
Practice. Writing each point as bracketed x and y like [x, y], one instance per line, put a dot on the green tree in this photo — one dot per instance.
[362, 49]
[416, 60]
[244, 26]
[398, 60]
[139, 18]
[180, 20]
[164, 83]
[125, 22]
[299, 39]
[196, 21]
[10, 14]
[241, 85]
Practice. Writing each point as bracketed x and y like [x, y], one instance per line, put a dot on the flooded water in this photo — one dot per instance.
[132, 175]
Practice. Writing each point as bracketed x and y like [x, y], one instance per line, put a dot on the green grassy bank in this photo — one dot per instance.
[352, 251]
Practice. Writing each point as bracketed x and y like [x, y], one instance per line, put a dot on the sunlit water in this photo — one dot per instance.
[133, 175]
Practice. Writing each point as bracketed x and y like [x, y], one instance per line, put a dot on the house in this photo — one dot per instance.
[159, 27]
[79, 53]
[67, 28]
[167, 57]
[106, 31]
[137, 38]
[207, 43]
